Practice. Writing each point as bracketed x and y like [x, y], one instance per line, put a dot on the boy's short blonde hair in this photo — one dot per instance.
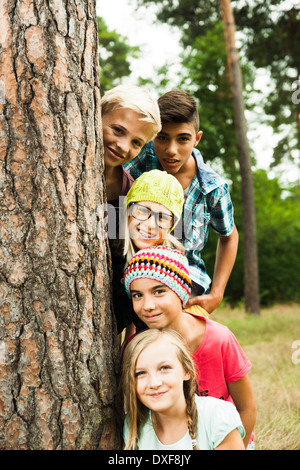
[136, 98]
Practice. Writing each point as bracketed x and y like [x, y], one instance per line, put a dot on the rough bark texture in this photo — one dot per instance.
[251, 283]
[58, 360]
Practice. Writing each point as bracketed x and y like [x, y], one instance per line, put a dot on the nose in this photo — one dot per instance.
[154, 380]
[148, 303]
[150, 224]
[124, 145]
[171, 148]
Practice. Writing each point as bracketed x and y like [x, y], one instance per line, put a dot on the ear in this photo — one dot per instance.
[198, 138]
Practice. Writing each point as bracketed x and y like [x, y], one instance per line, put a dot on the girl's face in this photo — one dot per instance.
[159, 377]
[145, 233]
[124, 135]
[155, 304]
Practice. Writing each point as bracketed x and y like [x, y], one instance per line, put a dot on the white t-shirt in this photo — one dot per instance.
[216, 419]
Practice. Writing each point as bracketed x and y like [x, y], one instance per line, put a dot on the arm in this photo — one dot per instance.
[232, 441]
[225, 259]
[244, 400]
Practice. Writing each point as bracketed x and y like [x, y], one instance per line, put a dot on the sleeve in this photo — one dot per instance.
[223, 419]
[221, 210]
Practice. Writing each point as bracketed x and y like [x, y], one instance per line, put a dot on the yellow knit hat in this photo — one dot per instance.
[158, 186]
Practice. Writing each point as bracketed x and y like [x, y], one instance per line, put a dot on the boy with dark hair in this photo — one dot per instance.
[207, 199]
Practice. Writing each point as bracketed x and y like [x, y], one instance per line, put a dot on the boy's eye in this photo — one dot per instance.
[161, 137]
[137, 143]
[118, 130]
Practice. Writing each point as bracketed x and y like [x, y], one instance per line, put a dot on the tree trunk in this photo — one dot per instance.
[251, 289]
[58, 357]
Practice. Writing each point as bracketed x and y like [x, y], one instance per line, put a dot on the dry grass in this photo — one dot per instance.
[268, 341]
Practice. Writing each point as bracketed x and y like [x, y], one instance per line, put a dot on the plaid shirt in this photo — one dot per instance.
[207, 203]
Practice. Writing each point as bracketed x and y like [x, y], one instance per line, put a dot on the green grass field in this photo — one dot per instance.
[272, 343]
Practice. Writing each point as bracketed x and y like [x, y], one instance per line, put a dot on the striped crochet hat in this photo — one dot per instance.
[163, 264]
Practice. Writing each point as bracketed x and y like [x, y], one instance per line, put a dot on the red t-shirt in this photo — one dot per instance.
[219, 360]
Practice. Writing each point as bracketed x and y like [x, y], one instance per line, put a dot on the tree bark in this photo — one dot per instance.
[251, 277]
[58, 351]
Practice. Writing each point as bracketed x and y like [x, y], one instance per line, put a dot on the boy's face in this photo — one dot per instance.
[124, 134]
[173, 145]
[154, 303]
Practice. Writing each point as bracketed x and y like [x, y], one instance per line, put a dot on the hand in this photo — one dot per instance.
[207, 301]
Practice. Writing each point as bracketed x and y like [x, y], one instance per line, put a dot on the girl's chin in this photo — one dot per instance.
[146, 242]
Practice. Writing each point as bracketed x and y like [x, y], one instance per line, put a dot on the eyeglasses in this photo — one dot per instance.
[140, 212]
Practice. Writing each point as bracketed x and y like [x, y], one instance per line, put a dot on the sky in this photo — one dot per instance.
[160, 44]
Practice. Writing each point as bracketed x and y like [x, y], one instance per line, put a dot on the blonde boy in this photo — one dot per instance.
[130, 119]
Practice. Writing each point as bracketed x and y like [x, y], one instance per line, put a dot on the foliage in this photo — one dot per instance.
[272, 41]
[204, 75]
[115, 55]
[269, 37]
[278, 242]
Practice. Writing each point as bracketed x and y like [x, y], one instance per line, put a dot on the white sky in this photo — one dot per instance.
[160, 43]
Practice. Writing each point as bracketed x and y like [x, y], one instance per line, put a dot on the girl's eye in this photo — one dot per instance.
[159, 291]
[166, 367]
[140, 373]
[136, 296]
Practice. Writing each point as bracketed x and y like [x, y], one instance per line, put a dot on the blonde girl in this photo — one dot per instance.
[162, 410]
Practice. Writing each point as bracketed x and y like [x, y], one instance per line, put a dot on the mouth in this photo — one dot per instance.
[170, 163]
[152, 318]
[145, 235]
[115, 154]
[157, 395]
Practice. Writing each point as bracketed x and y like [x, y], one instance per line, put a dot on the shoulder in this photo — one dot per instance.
[217, 414]
[209, 180]
[221, 336]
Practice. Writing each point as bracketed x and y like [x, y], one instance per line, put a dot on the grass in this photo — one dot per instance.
[268, 340]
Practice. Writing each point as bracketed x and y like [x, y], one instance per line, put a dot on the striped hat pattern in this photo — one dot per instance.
[163, 264]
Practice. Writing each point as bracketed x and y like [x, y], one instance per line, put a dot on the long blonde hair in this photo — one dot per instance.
[137, 413]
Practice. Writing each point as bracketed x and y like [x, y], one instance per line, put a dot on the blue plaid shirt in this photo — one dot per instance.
[207, 203]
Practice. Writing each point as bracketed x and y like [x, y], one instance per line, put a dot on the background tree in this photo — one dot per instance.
[57, 337]
[251, 283]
